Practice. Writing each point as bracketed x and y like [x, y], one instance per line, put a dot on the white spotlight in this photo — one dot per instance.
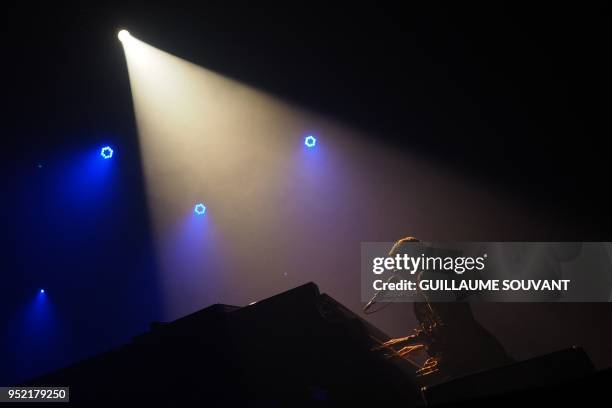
[124, 35]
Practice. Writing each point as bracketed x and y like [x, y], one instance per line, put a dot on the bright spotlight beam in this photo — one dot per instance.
[204, 136]
[124, 35]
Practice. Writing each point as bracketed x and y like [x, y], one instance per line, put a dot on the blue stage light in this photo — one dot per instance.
[106, 152]
[310, 141]
[42, 291]
[199, 209]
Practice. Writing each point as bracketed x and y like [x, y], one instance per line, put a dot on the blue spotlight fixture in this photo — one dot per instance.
[310, 141]
[199, 209]
[106, 152]
[42, 291]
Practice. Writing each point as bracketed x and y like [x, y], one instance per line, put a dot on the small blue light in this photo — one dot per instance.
[310, 141]
[199, 209]
[42, 291]
[106, 152]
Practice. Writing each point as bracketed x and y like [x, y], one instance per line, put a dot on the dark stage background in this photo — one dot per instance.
[515, 99]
